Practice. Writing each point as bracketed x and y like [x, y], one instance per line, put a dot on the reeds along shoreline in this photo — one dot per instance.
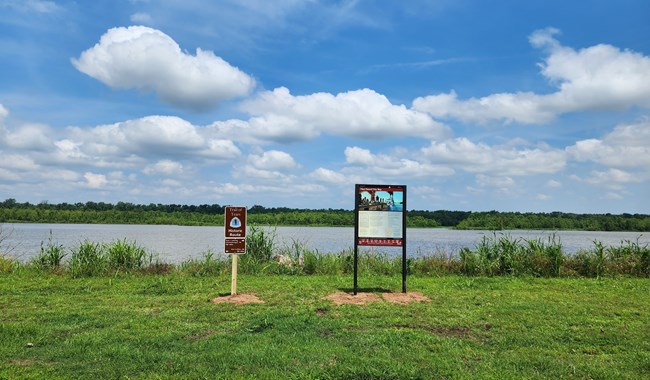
[495, 255]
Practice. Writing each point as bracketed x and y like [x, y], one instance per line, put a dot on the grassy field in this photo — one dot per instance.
[164, 326]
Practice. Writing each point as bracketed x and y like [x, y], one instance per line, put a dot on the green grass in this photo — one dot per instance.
[164, 326]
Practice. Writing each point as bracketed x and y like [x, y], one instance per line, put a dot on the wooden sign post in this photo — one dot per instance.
[234, 239]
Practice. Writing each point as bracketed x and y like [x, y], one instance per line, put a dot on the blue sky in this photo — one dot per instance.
[475, 105]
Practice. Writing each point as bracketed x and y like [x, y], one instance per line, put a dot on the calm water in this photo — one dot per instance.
[175, 244]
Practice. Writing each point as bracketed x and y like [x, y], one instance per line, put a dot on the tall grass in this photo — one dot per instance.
[93, 259]
[260, 243]
[51, 255]
[209, 265]
[502, 255]
[125, 255]
[629, 258]
[87, 259]
[7, 263]
[497, 254]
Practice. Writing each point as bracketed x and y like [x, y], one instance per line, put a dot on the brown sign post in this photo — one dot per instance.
[234, 238]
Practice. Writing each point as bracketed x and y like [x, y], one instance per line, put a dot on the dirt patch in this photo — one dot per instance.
[23, 362]
[238, 299]
[340, 298]
[200, 336]
[405, 298]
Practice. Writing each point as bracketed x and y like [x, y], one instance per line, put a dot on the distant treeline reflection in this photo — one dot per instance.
[12, 211]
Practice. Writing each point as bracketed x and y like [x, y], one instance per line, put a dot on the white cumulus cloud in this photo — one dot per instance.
[494, 181]
[29, 136]
[280, 116]
[615, 179]
[153, 136]
[273, 160]
[600, 77]
[394, 166]
[626, 146]
[164, 167]
[147, 59]
[272, 165]
[507, 161]
[95, 181]
[330, 176]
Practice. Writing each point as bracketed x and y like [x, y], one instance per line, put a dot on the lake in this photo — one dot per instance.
[174, 244]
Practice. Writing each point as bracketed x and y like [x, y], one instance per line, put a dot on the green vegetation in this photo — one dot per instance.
[93, 259]
[554, 221]
[212, 215]
[496, 255]
[51, 255]
[111, 311]
[164, 326]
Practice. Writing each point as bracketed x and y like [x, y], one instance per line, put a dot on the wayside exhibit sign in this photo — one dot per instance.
[380, 220]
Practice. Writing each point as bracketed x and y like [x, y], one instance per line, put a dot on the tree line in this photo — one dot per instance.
[12, 211]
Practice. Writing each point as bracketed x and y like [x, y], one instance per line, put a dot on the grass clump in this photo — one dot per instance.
[7, 263]
[260, 243]
[88, 259]
[503, 255]
[96, 259]
[209, 265]
[125, 255]
[50, 256]
[629, 258]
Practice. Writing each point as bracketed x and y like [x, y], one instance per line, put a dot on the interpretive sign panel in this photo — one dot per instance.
[380, 215]
[380, 220]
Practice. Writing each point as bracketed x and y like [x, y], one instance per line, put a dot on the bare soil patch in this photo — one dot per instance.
[22, 362]
[405, 298]
[238, 299]
[340, 298]
[200, 336]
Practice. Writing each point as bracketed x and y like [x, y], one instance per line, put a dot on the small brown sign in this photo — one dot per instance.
[236, 246]
[235, 222]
